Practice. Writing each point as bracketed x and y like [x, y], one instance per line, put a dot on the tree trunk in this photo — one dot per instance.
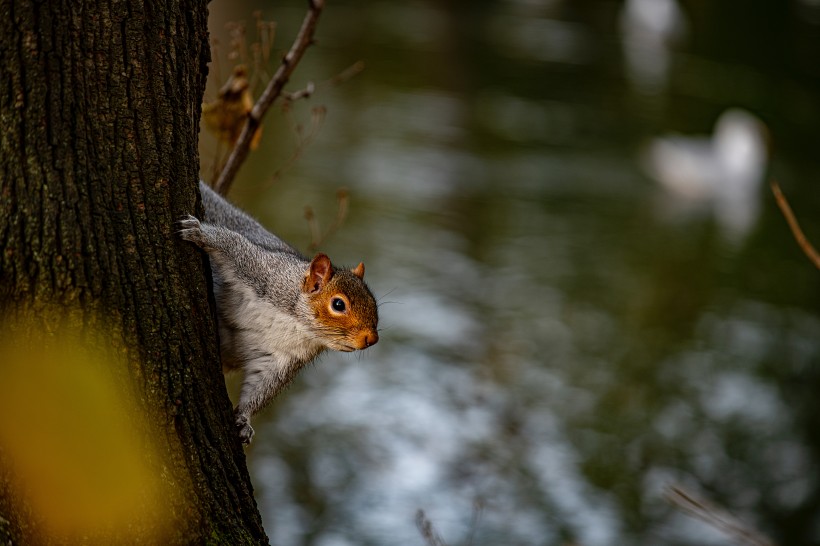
[100, 105]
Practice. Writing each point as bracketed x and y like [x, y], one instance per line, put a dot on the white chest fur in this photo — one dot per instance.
[256, 333]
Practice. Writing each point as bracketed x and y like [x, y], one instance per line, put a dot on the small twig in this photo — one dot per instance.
[313, 225]
[265, 32]
[425, 527]
[316, 235]
[301, 94]
[274, 88]
[717, 517]
[238, 51]
[801, 239]
[350, 72]
[217, 159]
[215, 55]
[303, 138]
[478, 510]
[261, 48]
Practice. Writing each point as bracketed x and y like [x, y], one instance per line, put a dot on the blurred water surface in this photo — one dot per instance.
[563, 338]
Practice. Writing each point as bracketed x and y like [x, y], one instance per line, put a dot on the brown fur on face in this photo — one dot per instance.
[344, 308]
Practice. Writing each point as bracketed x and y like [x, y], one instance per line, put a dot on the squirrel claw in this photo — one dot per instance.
[190, 229]
[244, 428]
[188, 222]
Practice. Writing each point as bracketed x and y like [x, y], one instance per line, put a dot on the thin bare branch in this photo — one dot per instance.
[478, 510]
[313, 225]
[309, 89]
[425, 527]
[717, 517]
[237, 49]
[801, 239]
[216, 66]
[350, 72]
[265, 32]
[303, 138]
[316, 235]
[274, 88]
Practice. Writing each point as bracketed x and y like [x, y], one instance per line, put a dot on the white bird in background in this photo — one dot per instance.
[650, 29]
[723, 172]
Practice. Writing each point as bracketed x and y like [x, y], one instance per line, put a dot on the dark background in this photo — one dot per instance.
[563, 339]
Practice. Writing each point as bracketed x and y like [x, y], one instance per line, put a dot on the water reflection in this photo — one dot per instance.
[723, 173]
[651, 29]
[554, 348]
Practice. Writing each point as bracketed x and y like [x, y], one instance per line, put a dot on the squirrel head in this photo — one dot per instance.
[344, 309]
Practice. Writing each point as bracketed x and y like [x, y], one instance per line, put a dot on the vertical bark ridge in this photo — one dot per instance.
[98, 157]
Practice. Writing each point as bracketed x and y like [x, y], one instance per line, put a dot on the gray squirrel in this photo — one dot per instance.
[276, 309]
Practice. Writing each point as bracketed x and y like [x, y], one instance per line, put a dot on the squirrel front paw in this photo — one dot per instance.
[244, 428]
[191, 230]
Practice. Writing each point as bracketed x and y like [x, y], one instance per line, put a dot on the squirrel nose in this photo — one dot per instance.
[370, 338]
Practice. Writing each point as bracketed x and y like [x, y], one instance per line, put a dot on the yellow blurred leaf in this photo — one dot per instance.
[76, 446]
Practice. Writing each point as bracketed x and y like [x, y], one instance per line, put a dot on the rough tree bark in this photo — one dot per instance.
[100, 105]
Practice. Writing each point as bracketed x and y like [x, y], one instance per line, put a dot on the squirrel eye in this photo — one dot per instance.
[338, 304]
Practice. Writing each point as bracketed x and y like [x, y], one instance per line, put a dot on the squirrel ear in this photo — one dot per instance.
[319, 273]
[359, 270]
